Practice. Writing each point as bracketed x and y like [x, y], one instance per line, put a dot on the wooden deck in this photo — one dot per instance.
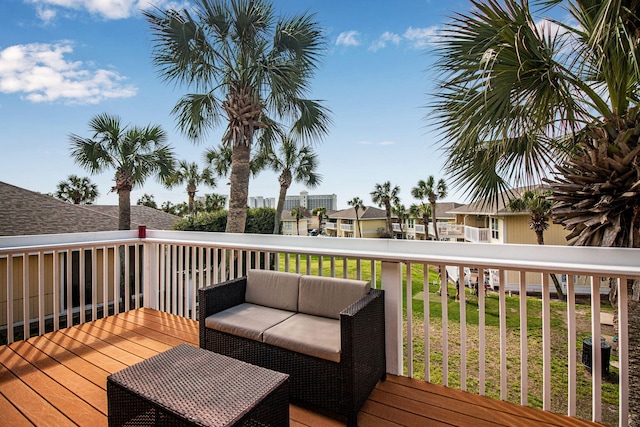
[60, 379]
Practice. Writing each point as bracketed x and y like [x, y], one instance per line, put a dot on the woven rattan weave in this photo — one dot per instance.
[189, 386]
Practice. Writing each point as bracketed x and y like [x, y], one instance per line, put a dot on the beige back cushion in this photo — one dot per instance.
[328, 296]
[273, 289]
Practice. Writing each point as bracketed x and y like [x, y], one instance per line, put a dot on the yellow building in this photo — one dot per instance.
[343, 223]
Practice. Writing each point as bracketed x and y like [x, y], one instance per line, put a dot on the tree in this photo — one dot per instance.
[421, 210]
[514, 105]
[136, 153]
[297, 214]
[296, 163]
[538, 204]
[431, 191]
[321, 213]
[77, 190]
[358, 205]
[214, 202]
[147, 200]
[248, 68]
[386, 196]
[519, 100]
[400, 211]
[168, 207]
[190, 174]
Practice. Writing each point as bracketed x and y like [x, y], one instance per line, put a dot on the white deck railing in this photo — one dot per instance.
[40, 276]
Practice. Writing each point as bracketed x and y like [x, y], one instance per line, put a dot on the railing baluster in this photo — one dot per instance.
[183, 263]
[503, 334]
[444, 299]
[426, 320]
[359, 269]
[546, 343]
[623, 351]
[127, 278]
[68, 288]
[463, 327]
[10, 321]
[345, 267]
[94, 282]
[105, 282]
[571, 339]
[41, 313]
[26, 328]
[193, 287]
[408, 293]
[524, 340]
[136, 276]
[481, 333]
[596, 352]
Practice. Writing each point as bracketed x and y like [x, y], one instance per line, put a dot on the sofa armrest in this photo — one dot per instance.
[362, 328]
[219, 297]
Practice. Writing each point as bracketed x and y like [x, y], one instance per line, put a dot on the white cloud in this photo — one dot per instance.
[386, 37]
[41, 73]
[46, 14]
[108, 9]
[421, 37]
[348, 38]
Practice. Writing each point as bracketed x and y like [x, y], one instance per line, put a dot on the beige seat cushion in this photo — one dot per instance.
[273, 289]
[328, 296]
[310, 335]
[247, 320]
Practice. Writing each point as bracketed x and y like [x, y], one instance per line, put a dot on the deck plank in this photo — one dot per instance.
[59, 379]
[10, 416]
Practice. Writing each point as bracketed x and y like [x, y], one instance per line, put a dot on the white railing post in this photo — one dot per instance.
[392, 285]
[150, 276]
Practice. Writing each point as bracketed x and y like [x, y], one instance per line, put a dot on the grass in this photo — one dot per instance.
[558, 326]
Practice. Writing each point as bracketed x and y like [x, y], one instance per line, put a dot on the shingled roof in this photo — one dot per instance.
[24, 212]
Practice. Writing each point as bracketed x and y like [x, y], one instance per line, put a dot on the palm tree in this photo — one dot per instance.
[214, 202]
[321, 213]
[296, 163]
[386, 196]
[400, 212]
[190, 174]
[297, 214]
[358, 205]
[77, 190]
[431, 191]
[519, 100]
[515, 105]
[539, 206]
[248, 68]
[421, 210]
[136, 153]
[147, 200]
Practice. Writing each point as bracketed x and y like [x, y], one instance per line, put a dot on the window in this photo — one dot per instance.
[411, 223]
[495, 230]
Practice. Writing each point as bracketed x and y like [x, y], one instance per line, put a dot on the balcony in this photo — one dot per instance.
[79, 334]
[477, 235]
[331, 226]
[347, 227]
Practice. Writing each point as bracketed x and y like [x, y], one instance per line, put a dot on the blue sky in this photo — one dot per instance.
[64, 61]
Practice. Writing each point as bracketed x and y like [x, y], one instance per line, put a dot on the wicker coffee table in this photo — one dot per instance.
[189, 386]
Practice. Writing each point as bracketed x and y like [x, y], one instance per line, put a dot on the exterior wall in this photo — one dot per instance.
[518, 231]
[289, 228]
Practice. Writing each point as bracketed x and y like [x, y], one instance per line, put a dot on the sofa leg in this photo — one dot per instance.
[352, 420]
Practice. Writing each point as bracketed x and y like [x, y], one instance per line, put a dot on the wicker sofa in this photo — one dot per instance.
[326, 333]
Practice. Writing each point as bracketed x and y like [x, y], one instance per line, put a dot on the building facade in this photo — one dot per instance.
[311, 201]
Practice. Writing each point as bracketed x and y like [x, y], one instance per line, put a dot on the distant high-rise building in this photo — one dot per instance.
[308, 201]
[262, 202]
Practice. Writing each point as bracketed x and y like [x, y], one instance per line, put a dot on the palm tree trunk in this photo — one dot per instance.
[191, 197]
[433, 216]
[239, 189]
[387, 208]
[124, 209]
[279, 207]
[358, 232]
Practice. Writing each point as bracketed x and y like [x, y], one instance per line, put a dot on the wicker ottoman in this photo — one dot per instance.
[189, 386]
